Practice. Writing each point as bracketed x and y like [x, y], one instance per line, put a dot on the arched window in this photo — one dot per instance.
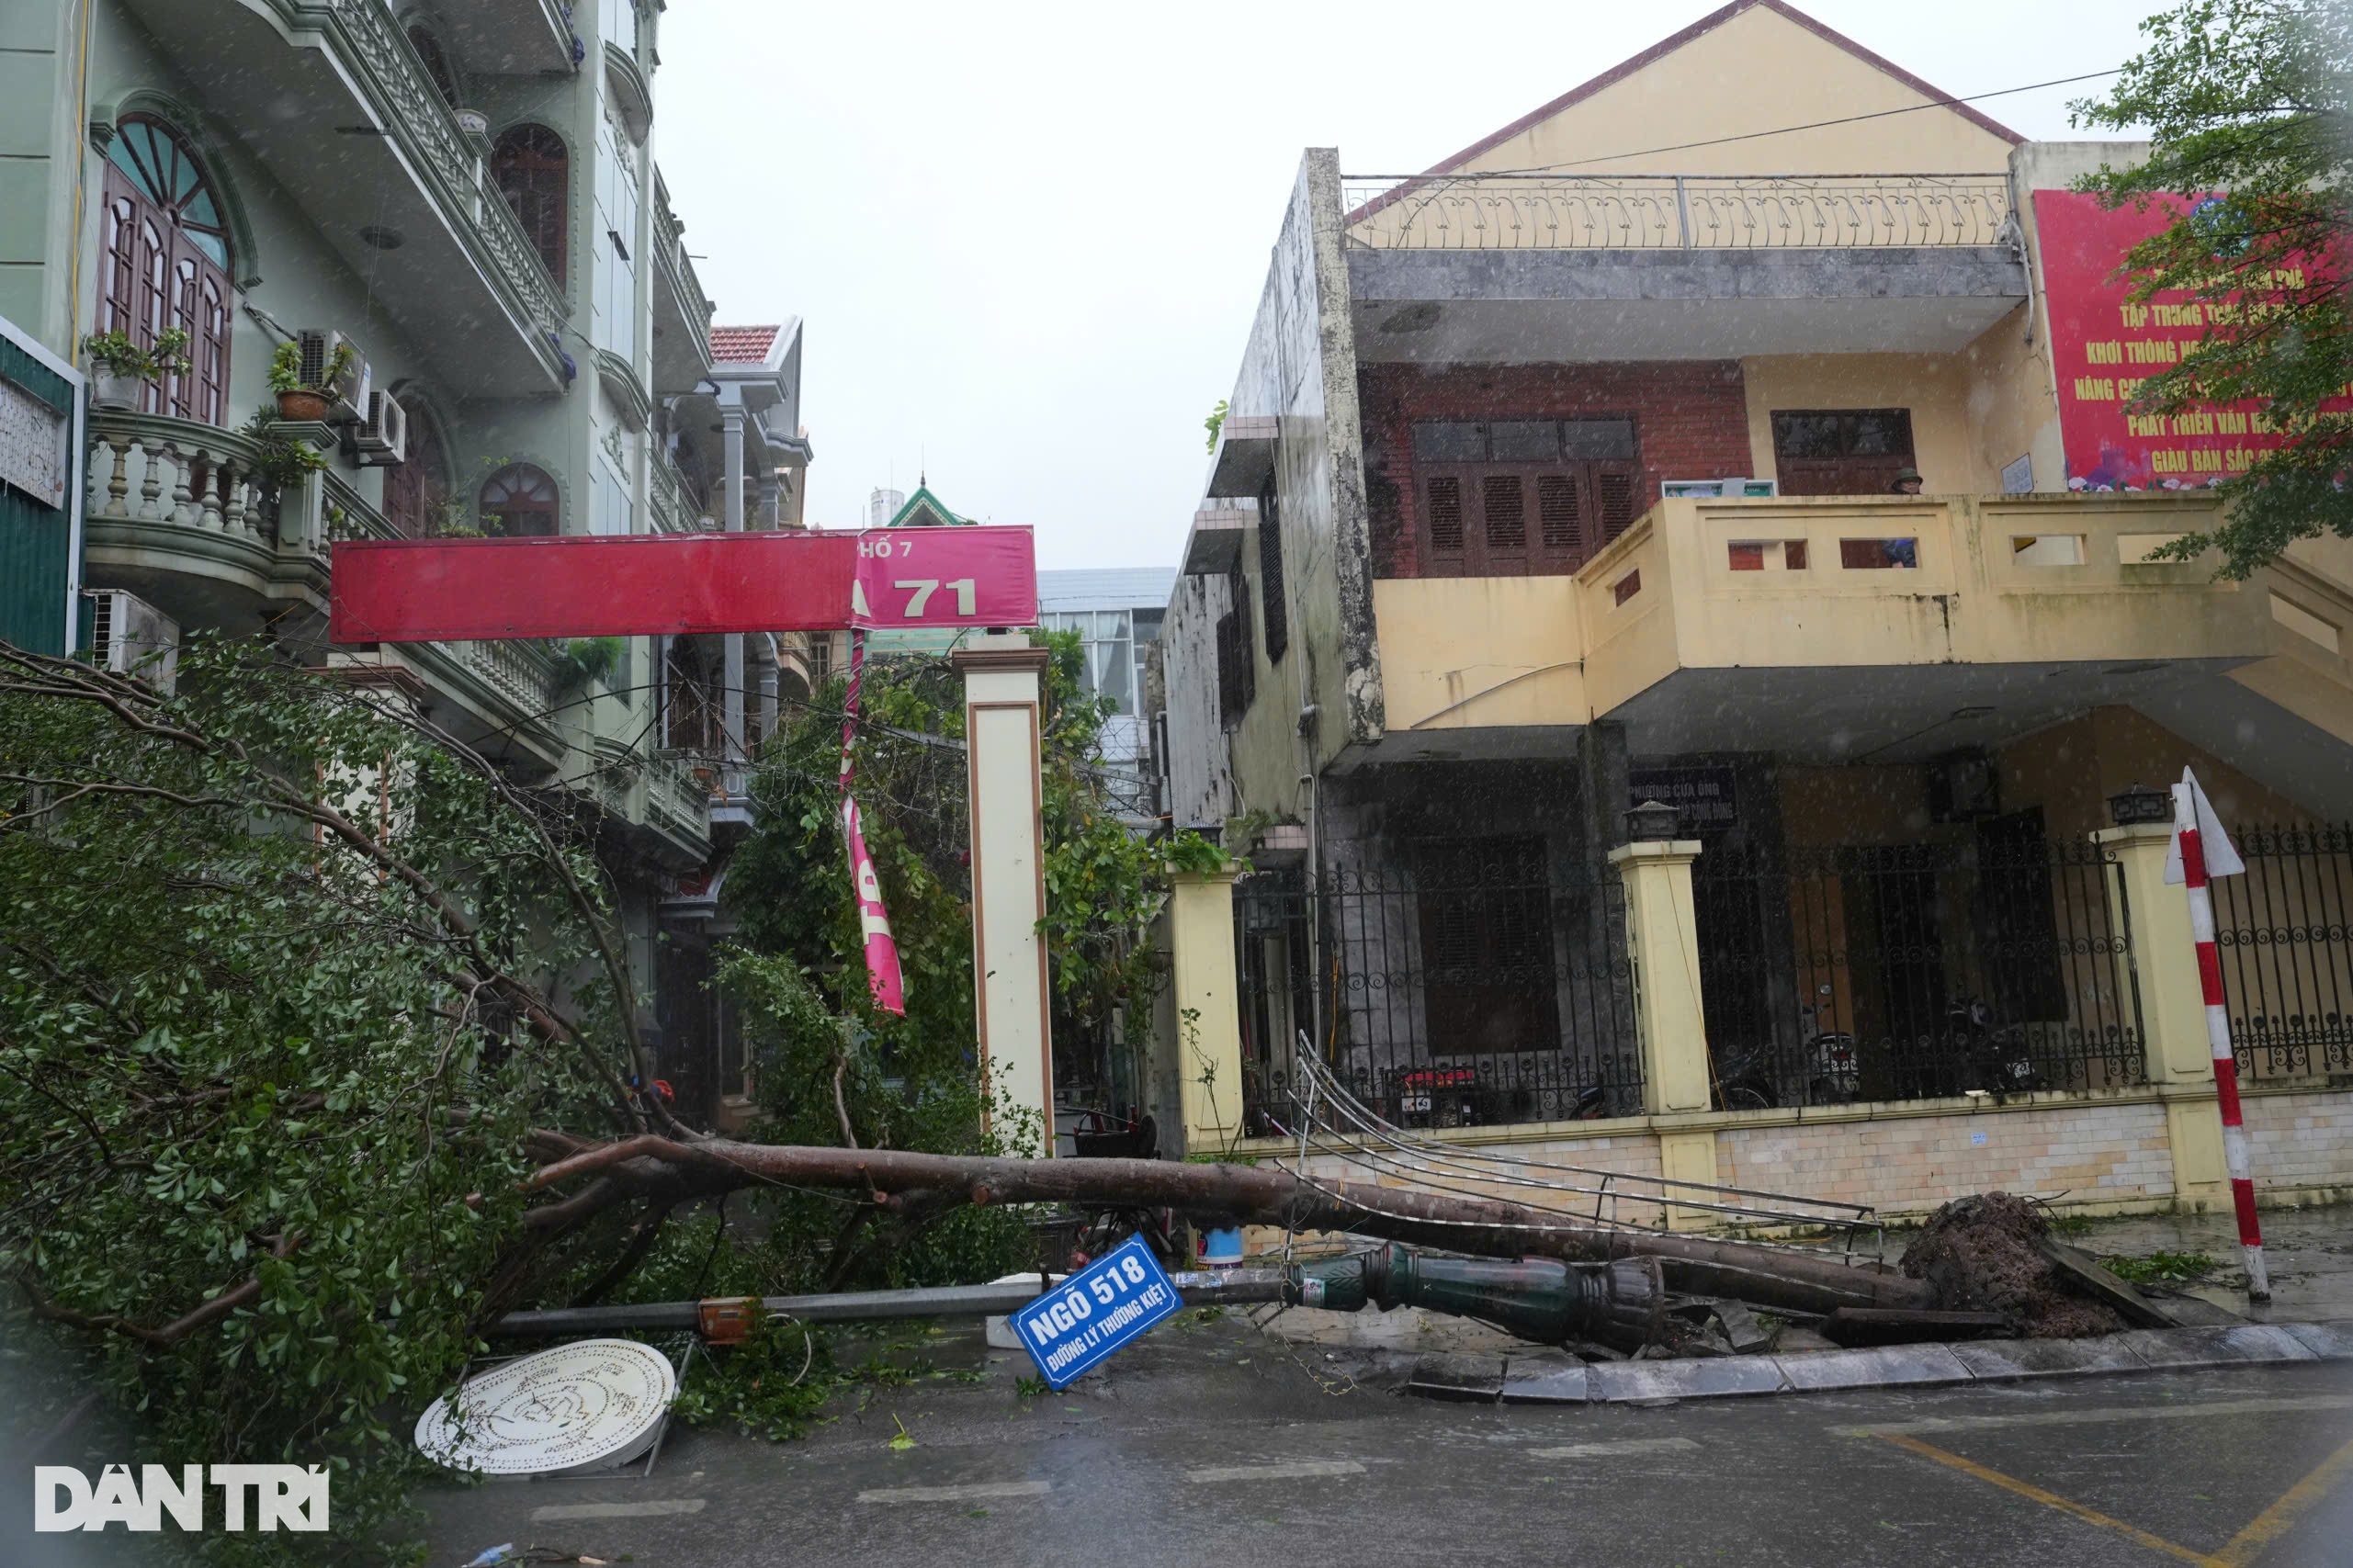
[534, 173]
[165, 242]
[416, 491]
[524, 500]
[436, 64]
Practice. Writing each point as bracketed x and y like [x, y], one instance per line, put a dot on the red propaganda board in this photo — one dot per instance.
[2103, 346]
[472, 589]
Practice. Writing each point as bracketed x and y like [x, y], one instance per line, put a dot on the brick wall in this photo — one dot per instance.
[1691, 421]
[2092, 1153]
[2300, 1139]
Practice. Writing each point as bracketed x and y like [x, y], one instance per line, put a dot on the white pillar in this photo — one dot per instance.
[731, 438]
[1003, 677]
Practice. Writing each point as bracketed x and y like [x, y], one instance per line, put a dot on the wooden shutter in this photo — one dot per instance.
[1503, 510]
[1444, 508]
[1559, 513]
[1617, 496]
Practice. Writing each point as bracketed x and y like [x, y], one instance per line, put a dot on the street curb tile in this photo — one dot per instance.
[1887, 1365]
[1990, 1360]
[1547, 1379]
[1624, 1382]
[2329, 1341]
[1475, 1380]
[2168, 1349]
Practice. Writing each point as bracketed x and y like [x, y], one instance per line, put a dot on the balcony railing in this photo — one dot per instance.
[1665, 212]
[679, 268]
[675, 511]
[389, 75]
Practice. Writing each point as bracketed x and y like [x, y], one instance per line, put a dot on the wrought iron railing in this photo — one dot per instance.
[1990, 961]
[2285, 931]
[1553, 212]
[1455, 986]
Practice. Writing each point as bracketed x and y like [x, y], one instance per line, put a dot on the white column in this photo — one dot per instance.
[1003, 677]
[731, 427]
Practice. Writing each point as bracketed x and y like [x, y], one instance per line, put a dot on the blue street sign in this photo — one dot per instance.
[1098, 1310]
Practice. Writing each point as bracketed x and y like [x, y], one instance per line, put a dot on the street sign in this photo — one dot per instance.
[674, 584]
[1069, 1330]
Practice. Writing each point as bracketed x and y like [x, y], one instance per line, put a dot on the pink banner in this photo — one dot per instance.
[883, 976]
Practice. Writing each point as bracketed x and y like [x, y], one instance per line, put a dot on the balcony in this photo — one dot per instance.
[1892, 629]
[682, 312]
[174, 513]
[675, 511]
[512, 37]
[1504, 268]
[331, 98]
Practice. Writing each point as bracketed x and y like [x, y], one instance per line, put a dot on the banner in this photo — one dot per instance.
[883, 976]
[2103, 346]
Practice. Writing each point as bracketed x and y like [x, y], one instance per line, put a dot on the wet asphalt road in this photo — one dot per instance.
[1214, 1444]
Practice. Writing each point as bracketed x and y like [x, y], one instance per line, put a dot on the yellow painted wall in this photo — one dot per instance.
[1759, 70]
[1973, 412]
[1464, 652]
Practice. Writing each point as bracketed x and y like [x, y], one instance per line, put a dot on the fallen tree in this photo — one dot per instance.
[653, 1167]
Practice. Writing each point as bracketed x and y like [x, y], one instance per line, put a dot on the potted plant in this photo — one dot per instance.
[120, 366]
[304, 400]
[280, 463]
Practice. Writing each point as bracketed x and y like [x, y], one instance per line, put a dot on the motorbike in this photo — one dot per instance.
[1994, 1057]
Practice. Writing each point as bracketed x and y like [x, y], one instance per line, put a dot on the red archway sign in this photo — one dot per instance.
[655, 585]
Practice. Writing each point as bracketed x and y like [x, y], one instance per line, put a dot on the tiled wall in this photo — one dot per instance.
[2300, 1139]
[2090, 1153]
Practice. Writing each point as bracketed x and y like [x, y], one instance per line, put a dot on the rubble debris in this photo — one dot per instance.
[1741, 1330]
[1987, 1253]
[2136, 1307]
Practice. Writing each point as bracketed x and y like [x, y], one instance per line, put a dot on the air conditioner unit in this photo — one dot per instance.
[351, 388]
[130, 637]
[383, 437]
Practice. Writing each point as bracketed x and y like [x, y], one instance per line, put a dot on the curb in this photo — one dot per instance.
[1555, 1378]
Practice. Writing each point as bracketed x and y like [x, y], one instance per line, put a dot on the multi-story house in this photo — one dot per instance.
[1732, 432]
[465, 194]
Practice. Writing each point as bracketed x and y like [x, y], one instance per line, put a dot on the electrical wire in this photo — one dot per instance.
[1788, 130]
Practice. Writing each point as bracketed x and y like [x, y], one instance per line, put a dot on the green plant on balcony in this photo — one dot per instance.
[583, 659]
[121, 366]
[307, 398]
[280, 463]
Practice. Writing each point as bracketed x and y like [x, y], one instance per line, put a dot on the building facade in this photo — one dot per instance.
[1557, 481]
[466, 196]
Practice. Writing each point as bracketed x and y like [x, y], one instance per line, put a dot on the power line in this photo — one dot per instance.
[1815, 125]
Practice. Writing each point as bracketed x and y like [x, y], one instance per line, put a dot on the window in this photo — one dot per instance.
[522, 499]
[1841, 451]
[1511, 498]
[417, 491]
[166, 245]
[533, 174]
[1272, 593]
[436, 64]
[1237, 657]
[1108, 638]
[614, 304]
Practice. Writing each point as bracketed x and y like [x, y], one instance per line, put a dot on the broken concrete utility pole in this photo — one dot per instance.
[1238, 1194]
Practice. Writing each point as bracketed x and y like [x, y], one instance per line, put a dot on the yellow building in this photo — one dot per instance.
[1568, 473]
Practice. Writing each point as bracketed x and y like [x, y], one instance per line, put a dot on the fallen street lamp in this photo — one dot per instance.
[1621, 1303]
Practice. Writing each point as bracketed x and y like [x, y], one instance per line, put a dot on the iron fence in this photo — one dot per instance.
[2287, 951]
[1547, 212]
[1995, 962]
[1461, 982]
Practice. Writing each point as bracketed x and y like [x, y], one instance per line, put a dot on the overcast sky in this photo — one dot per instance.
[1027, 241]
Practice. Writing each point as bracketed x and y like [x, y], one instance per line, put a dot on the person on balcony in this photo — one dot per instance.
[1907, 482]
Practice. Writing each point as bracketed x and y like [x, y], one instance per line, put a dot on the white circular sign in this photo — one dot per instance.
[560, 1409]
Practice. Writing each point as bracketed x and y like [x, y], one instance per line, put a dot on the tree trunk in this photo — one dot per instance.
[1768, 1276]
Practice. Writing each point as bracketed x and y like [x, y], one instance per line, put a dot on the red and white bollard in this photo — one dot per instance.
[2189, 840]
